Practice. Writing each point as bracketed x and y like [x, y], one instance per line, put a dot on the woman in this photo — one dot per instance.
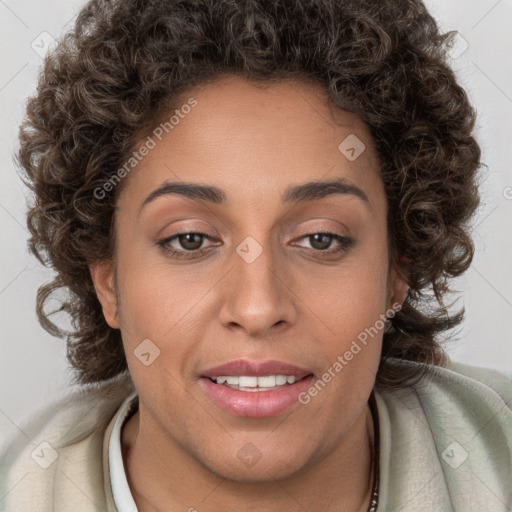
[257, 208]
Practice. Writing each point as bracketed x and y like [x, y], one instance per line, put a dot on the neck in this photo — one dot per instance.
[340, 481]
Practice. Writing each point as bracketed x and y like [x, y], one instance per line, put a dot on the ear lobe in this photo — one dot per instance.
[398, 286]
[400, 291]
[102, 274]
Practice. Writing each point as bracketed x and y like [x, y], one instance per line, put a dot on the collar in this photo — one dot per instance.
[119, 496]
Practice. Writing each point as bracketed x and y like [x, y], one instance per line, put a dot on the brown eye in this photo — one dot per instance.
[185, 245]
[190, 241]
[320, 241]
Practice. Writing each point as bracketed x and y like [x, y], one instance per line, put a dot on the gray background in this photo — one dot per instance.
[33, 368]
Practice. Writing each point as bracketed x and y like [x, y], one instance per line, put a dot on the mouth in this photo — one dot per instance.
[256, 389]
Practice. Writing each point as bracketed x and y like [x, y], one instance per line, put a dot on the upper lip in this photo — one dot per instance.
[247, 367]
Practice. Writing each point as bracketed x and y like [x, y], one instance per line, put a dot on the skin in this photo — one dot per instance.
[292, 303]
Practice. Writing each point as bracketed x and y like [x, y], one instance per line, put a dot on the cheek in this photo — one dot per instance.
[348, 307]
[158, 304]
[154, 294]
[351, 321]
[353, 295]
[158, 307]
[351, 314]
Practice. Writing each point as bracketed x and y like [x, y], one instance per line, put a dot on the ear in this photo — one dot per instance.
[102, 273]
[398, 287]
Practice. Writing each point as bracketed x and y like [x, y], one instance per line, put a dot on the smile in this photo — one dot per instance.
[255, 389]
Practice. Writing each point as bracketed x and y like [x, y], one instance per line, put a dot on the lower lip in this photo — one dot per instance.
[258, 404]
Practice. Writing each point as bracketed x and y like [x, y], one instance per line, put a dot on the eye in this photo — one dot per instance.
[321, 242]
[190, 242]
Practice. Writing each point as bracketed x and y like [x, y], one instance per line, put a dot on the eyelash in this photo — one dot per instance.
[345, 245]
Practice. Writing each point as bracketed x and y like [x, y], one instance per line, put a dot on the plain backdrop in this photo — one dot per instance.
[33, 366]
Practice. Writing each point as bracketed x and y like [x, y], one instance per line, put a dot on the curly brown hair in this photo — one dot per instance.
[111, 78]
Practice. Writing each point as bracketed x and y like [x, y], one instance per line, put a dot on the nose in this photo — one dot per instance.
[257, 294]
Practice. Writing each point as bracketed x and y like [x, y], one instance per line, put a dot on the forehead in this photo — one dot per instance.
[255, 139]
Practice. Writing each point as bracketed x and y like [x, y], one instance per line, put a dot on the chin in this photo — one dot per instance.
[250, 465]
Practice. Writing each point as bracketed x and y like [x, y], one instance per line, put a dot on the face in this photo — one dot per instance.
[265, 274]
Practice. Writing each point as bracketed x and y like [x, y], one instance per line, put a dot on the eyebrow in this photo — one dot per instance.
[310, 191]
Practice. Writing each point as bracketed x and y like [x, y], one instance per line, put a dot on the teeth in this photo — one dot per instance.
[266, 381]
[248, 382]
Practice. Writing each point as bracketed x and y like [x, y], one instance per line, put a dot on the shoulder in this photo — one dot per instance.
[447, 440]
[493, 379]
[477, 388]
[57, 456]
[457, 398]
